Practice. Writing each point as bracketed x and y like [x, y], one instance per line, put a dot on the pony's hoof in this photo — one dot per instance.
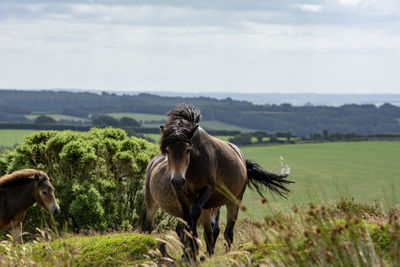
[184, 259]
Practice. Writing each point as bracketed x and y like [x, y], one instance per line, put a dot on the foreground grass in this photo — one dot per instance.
[345, 233]
[109, 250]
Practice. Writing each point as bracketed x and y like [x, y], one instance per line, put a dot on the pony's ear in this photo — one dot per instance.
[193, 130]
[162, 128]
[39, 177]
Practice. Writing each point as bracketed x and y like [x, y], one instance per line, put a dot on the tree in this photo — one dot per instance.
[241, 139]
[325, 133]
[105, 120]
[260, 135]
[286, 135]
[126, 121]
[43, 119]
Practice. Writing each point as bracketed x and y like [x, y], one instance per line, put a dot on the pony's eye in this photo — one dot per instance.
[44, 193]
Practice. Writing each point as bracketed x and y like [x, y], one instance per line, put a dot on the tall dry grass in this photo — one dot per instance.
[345, 233]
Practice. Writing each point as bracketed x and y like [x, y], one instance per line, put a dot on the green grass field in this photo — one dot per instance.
[138, 116]
[365, 171]
[217, 125]
[11, 137]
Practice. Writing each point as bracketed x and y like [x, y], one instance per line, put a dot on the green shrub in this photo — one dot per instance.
[98, 176]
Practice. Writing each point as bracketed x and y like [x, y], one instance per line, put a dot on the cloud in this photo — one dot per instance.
[309, 8]
[200, 45]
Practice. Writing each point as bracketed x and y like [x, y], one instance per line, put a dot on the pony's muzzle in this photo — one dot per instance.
[178, 183]
[55, 209]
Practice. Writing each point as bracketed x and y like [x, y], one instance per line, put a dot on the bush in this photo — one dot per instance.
[98, 176]
[241, 139]
[43, 119]
[105, 120]
[126, 121]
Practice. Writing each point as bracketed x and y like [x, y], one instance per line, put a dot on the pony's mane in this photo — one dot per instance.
[181, 124]
[21, 176]
[184, 112]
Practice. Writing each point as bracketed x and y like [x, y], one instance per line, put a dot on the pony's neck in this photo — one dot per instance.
[22, 196]
[200, 137]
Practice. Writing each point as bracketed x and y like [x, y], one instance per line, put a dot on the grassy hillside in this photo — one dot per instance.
[365, 171]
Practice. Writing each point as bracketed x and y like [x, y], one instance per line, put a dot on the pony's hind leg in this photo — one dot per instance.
[215, 223]
[232, 210]
[148, 216]
[231, 217]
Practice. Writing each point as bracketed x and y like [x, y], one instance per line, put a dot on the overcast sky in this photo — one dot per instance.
[284, 46]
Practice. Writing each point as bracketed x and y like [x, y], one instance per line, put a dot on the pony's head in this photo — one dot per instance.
[176, 141]
[44, 193]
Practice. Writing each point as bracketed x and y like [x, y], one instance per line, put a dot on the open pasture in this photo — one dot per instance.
[11, 137]
[324, 172]
[138, 116]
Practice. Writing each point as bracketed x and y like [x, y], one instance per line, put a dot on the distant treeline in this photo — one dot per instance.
[131, 131]
[263, 138]
[299, 121]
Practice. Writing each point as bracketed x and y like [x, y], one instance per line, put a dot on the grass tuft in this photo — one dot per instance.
[104, 250]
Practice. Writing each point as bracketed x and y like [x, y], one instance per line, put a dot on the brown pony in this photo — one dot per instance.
[195, 174]
[20, 190]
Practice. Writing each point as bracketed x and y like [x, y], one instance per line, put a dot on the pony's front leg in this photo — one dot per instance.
[204, 196]
[16, 232]
[191, 216]
[183, 229]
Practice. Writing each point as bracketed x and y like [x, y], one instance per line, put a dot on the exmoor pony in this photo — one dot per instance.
[195, 174]
[20, 190]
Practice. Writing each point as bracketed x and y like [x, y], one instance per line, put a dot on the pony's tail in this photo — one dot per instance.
[260, 179]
